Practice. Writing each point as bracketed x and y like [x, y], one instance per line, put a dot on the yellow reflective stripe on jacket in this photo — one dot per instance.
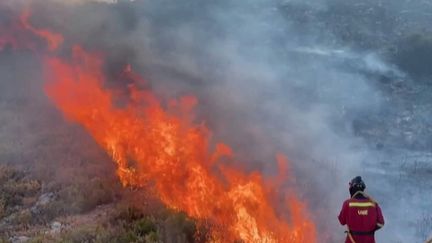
[362, 204]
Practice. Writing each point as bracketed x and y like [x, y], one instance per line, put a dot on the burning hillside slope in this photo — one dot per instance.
[165, 148]
[159, 143]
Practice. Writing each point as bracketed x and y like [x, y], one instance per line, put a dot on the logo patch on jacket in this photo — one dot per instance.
[362, 212]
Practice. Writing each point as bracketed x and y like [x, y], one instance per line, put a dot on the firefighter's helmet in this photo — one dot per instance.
[357, 184]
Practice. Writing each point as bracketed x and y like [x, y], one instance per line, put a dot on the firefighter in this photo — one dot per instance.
[361, 214]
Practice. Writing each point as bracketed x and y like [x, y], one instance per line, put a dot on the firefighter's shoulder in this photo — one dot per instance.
[346, 203]
[361, 203]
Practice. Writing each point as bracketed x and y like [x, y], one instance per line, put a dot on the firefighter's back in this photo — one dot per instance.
[361, 214]
[362, 219]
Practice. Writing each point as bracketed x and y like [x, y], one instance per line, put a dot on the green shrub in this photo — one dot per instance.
[126, 215]
[126, 236]
[152, 237]
[134, 226]
[144, 226]
[179, 224]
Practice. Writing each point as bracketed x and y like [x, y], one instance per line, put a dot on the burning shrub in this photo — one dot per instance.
[174, 153]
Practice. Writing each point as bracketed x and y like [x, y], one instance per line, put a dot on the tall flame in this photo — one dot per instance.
[159, 144]
[164, 147]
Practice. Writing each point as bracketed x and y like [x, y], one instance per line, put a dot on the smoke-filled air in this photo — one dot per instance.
[215, 121]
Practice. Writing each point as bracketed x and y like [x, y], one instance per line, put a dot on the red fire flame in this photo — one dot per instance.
[159, 144]
[16, 34]
[53, 40]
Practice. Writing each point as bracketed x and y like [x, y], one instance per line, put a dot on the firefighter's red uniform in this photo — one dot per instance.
[363, 217]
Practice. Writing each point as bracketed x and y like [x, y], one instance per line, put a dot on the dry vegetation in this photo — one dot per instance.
[97, 210]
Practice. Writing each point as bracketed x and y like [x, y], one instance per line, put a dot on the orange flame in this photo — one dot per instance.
[54, 40]
[160, 145]
[16, 35]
